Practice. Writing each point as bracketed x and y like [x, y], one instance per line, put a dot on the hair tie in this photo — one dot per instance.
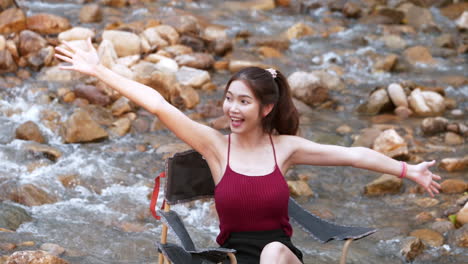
[272, 71]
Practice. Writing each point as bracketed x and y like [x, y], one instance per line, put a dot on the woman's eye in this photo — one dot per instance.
[244, 102]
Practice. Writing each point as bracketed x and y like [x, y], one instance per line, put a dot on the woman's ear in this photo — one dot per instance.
[267, 109]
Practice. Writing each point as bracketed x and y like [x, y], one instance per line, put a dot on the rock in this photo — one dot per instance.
[29, 131]
[329, 80]
[426, 103]
[121, 106]
[280, 42]
[90, 13]
[42, 58]
[462, 21]
[344, 129]
[40, 149]
[215, 32]
[391, 144]
[455, 10]
[192, 77]
[377, 101]
[423, 217]
[12, 216]
[412, 247]
[453, 186]
[76, 33]
[237, 65]
[299, 188]
[189, 96]
[12, 20]
[403, 112]
[393, 42]
[30, 42]
[125, 43]
[429, 237]
[43, 23]
[383, 15]
[426, 202]
[454, 164]
[434, 125]
[352, 10]
[26, 194]
[147, 74]
[92, 94]
[53, 249]
[167, 65]
[107, 54]
[420, 18]
[366, 138]
[418, 54]
[184, 24]
[442, 226]
[7, 246]
[202, 61]
[397, 95]
[461, 236]
[220, 123]
[299, 30]
[385, 184]
[196, 43]
[121, 126]
[154, 39]
[308, 88]
[161, 36]
[34, 257]
[81, 128]
[445, 41]
[453, 139]
[386, 64]
[462, 215]
[177, 50]
[269, 52]
[7, 64]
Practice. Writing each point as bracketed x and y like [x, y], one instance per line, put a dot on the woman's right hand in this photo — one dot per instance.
[82, 61]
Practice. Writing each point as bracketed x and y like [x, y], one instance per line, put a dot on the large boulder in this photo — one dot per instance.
[47, 23]
[80, 127]
[426, 103]
[12, 216]
[391, 144]
[385, 184]
[308, 88]
[12, 20]
[29, 131]
[125, 43]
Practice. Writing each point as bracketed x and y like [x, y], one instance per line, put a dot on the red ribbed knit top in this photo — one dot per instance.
[251, 203]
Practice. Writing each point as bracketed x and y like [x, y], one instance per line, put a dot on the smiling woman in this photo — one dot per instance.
[248, 165]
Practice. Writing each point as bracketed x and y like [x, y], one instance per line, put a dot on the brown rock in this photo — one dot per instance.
[385, 184]
[70, 180]
[442, 226]
[121, 126]
[12, 20]
[92, 94]
[81, 128]
[426, 202]
[196, 60]
[47, 23]
[367, 137]
[434, 125]
[280, 43]
[391, 144]
[30, 42]
[300, 188]
[53, 249]
[27, 194]
[453, 139]
[418, 54]
[351, 10]
[7, 64]
[453, 186]
[308, 88]
[220, 123]
[192, 77]
[188, 95]
[34, 257]
[423, 217]
[299, 30]
[121, 106]
[29, 131]
[461, 236]
[44, 57]
[454, 164]
[90, 13]
[7, 246]
[47, 151]
[147, 74]
[237, 65]
[462, 215]
[412, 247]
[420, 18]
[454, 10]
[386, 64]
[429, 237]
[378, 100]
[269, 52]
[403, 112]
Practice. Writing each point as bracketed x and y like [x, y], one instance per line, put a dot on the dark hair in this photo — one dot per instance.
[284, 117]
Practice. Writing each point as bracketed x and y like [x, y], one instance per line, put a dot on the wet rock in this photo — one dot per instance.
[420, 18]
[12, 216]
[391, 144]
[47, 151]
[167, 65]
[386, 64]
[367, 137]
[280, 43]
[383, 15]
[47, 23]
[397, 95]
[462, 21]
[7, 63]
[34, 257]
[344, 129]
[269, 52]
[76, 33]
[455, 10]
[215, 32]
[426, 202]
[426, 103]
[53, 249]
[377, 101]
[412, 247]
[188, 95]
[385, 184]
[165, 32]
[80, 127]
[351, 10]
[12, 20]
[107, 53]
[29, 131]
[128, 61]
[403, 112]
[329, 80]
[308, 88]
[445, 41]
[442, 226]
[125, 43]
[99, 114]
[147, 74]
[121, 106]
[423, 217]
[54, 74]
[192, 77]
[299, 30]
[453, 186]
[197, 43]
[26, 194]
[418, 54]
[121, 126]
[30, 42]
[202, 61]
[90, 13]
[454, 164]
[393, 42]
[7, 246]
[461, 236]
[434, 125]
[42, 58]
[154, 38]
[453, 139]
[177, 50]
[237, 65]
[92, 94]
[299, 188]
[429, 237]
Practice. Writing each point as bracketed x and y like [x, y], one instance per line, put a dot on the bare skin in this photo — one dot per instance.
[250, 145]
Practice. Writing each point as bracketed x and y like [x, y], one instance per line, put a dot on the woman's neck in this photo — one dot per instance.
[251, 139]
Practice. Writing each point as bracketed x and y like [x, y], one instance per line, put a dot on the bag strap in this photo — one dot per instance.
[154, 197]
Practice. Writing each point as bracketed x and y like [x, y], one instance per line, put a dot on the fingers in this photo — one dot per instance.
[436, 177]
[66, 67]
[90, 44]
[69, 46]
[64, 51]
[430, 163]
[64, 58]
[428, 189]
[434, 189]
[436, 184]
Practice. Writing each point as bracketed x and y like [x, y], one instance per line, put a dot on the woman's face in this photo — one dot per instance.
[242, 108]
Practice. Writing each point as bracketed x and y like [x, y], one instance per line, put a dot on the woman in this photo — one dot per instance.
[248, 165]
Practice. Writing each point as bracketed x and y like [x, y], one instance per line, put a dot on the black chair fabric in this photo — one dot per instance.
[189, 178]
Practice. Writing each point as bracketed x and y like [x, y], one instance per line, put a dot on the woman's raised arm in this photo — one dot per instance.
[307, 152]
[202, 138]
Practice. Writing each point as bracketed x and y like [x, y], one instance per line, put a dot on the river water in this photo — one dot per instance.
[106, 220]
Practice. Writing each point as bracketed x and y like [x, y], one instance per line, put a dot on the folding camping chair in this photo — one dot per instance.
[188, 178]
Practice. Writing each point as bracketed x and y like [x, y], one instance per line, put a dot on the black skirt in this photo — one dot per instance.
[249, 245]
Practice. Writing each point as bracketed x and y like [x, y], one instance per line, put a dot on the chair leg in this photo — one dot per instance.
[163, 259]
[344, 253]
[232, 258]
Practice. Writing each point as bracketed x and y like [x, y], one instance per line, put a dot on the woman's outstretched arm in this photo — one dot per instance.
[200, 137]
[304, 151]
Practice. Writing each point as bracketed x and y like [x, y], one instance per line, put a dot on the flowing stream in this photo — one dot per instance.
[105, 219]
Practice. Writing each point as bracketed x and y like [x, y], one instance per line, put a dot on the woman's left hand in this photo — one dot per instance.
[421, 174]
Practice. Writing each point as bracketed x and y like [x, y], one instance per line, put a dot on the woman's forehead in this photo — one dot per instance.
[239, 88]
